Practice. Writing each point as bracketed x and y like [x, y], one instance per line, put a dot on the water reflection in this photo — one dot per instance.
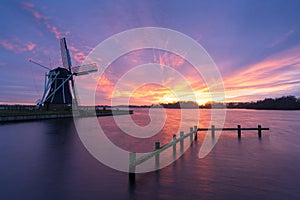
[46, 160]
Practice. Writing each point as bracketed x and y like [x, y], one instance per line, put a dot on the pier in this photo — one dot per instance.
[192, 135]
[239, 130]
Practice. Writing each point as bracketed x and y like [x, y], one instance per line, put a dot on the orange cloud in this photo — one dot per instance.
[274, 75]
[153, 93]
[149, 94]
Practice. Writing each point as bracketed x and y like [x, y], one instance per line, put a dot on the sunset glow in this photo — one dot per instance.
[257, 55]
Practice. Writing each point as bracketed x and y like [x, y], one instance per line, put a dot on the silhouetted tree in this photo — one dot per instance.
[281, 103]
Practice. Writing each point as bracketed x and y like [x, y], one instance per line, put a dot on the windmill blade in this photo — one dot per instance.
[84, 69]
[65, 54]
[32, 61]
[66, 60]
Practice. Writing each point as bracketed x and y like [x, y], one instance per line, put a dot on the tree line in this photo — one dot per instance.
[281, 103]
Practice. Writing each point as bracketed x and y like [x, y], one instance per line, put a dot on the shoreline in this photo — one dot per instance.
[44, 116]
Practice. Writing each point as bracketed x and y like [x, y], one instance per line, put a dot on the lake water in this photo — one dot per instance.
[47, 160]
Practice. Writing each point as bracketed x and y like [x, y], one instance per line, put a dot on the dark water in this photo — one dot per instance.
[46, 160]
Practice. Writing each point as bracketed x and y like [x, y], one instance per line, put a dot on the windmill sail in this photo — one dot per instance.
[66, 60]
[84, 69]
[65, 54]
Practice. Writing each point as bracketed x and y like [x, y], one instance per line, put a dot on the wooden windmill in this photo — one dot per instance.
[58, 94]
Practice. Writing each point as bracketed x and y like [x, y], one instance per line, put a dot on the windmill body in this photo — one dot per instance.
[59, 95]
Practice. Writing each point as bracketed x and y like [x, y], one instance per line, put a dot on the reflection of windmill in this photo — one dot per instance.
[57, 93]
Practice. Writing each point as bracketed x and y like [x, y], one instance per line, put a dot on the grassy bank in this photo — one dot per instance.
[31, 112]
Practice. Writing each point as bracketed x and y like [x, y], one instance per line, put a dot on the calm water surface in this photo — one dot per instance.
[46, 160]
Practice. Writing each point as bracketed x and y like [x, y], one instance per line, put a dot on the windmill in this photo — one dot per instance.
[57, 93]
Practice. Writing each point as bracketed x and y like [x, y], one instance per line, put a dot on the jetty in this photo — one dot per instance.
[192, 135]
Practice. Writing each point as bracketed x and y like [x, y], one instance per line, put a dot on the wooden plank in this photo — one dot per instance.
[231, 129]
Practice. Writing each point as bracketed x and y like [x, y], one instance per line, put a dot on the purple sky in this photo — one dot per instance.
[255, 44]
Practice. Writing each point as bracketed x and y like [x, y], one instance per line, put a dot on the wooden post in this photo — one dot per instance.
[174, 147]
[132, 159]
[157, 146]
[259, 131]
[213, 131]
[196, 132]
[191, 135]
[239, 131]
[181, 141]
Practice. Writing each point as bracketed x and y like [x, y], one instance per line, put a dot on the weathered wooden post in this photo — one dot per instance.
[132, 159]
[181, 141]
[213, 131]
[174, 146]
[196, 132]
[157, 146]
[191, 134]
[239, 131]
[259, 131]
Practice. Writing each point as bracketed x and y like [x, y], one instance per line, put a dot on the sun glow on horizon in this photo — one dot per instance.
[152, 94]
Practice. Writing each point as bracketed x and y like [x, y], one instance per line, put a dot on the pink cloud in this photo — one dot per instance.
[282, 38]
[169, 59]
[44, 20]
[17, 46]
[31, 46]
[78, 55]
[275, 74]
[38, 15]
[54, 30]
[7, 45]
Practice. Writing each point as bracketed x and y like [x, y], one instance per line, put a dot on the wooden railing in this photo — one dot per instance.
[134, 161]
[238, 129]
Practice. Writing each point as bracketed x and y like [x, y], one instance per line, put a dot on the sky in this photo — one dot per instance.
[255, 45]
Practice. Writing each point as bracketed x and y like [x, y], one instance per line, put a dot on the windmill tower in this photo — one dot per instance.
[58, 95]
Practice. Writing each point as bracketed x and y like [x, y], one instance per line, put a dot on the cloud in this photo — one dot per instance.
[78, 55]
[152, 93]
[168, 59]
[7, 45]
[45, 20]
[278, 74]
[17, 46]
[282, 38]
[31, 46]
